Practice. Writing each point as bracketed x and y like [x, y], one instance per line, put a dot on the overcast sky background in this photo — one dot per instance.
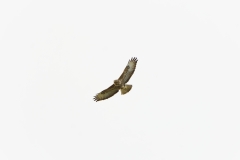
[56, 55]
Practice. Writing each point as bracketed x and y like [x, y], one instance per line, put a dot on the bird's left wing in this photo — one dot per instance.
[107, 93]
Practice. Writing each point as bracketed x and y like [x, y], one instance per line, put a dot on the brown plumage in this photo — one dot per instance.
[120, 83]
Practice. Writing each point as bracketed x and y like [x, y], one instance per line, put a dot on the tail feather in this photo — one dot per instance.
[126, 89]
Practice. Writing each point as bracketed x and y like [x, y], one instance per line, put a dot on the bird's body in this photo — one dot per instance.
[120, 83]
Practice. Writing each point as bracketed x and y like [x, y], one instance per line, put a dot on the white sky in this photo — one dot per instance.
[56, 55]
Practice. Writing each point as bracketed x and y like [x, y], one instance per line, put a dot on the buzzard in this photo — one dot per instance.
[120, 83]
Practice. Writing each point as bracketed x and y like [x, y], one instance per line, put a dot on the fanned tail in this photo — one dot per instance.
[126, 89]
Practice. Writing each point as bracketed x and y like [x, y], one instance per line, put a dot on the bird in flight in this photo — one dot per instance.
[120, 83]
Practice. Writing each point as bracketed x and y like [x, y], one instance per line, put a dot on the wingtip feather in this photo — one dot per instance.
[95, 99]
[133, 59]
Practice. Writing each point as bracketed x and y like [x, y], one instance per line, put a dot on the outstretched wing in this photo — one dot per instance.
[129, 70]
[107, 93]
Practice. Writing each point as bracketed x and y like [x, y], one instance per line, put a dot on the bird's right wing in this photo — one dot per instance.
[107, 93]
[129, 70]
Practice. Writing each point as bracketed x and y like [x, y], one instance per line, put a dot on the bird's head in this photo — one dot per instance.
[117, 82]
